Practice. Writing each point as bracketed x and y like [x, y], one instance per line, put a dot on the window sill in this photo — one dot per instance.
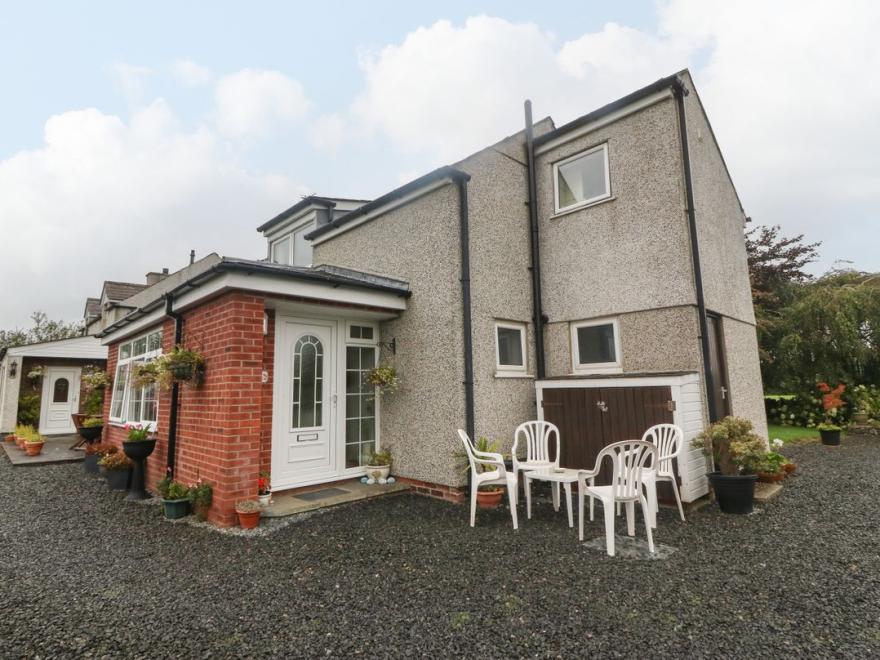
[575, 209]
[597, 372]
[513, 374]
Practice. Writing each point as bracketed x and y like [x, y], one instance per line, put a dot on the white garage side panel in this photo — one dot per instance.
[688, 415]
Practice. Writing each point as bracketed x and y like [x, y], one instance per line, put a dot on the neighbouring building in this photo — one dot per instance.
[612, 296]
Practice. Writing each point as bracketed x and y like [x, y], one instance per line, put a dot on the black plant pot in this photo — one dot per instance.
[138, 451]
[90, 433]
[91, 463]
[117, 479]
[830, 438]
[735, 492]
[181, 371]
[175, 509]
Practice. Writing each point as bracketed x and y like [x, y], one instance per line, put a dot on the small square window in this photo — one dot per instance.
[510, 347]
[596, 346]
[582, 179]
[281, 252]
[361, 333]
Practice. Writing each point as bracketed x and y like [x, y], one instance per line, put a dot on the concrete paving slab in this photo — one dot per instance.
[342, 492]
[56, 450]
[764, 492]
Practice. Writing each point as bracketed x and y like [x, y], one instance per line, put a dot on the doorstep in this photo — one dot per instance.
[56, 450]
[289, 503]
[766, 491]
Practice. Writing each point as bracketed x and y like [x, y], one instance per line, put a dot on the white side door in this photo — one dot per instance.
[304, 413]
[60, 400]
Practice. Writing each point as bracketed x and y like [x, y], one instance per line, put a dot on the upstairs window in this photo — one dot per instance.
[510, 347]
[293, 249]
[596, 346]
[281, 251]
[582, 179]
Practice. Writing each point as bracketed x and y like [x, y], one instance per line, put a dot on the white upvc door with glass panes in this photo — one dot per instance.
[303, 447]
[60, 400]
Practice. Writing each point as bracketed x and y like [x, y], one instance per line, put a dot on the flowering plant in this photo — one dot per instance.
[137, 432]
[383, 378]
[115, 461]
[201, 492]
[36, 373]
[831, 404]
[263, 483]
[94, 378]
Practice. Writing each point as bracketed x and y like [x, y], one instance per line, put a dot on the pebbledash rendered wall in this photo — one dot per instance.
[223, 434]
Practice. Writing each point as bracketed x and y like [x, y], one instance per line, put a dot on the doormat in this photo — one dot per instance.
[321, 494]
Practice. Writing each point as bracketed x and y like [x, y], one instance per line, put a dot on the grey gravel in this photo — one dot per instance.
[85, 573]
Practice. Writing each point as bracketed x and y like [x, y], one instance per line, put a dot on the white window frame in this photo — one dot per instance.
[373, 343]
[358, 341]
[587, 202]
[290, 233]
[130, 360]
[595, 367]
[510, 369]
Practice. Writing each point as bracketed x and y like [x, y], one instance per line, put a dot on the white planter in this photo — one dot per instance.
[378, 471]
[265, 500]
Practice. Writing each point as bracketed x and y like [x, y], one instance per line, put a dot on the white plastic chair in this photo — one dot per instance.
[537, 437]
[630, 461]
[669, 441]
[499, 476]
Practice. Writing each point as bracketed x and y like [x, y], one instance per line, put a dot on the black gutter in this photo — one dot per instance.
[175, 388]
[466, 321]
[445, 172]
[535, 267]
[679, 92]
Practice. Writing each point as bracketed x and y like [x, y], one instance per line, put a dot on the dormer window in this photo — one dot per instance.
[294, 249]
[281, 251]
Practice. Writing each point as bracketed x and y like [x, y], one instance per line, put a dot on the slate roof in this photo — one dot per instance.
[93, 308]
[117, 291]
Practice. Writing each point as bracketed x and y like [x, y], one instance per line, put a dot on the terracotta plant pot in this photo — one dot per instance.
[860, 418]
[19, 441]
[771, 477]
[790, 468]
[33, 448]
[489, 499]
[10, 438]
[249, 519]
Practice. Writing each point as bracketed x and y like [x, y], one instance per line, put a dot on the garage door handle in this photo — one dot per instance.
[601, 405]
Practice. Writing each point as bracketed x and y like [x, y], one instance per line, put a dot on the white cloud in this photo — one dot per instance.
[190, 73]
[328, 132]
[130, 80]
[107, 198]
[251, 103]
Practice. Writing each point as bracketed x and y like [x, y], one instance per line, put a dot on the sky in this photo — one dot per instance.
[135, 132]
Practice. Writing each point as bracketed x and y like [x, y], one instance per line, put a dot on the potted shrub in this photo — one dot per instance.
[22, 433]
[379, 465]
[832, 402]
[201, 494]
[865, 399]
[95, 452]
[117, 470]
[771, 468]
[737, 454]
[175, 498]
[91, 428]
[264, 495]
[33, 444]
[138, 445]
[248, 513]
[383, 378]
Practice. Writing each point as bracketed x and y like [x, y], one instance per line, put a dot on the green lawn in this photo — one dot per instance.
[791, 433]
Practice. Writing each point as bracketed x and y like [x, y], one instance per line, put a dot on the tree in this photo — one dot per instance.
[43, 329]
[831, 332]
[777, 275]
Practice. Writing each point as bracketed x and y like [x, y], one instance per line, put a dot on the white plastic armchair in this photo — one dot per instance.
[487, 469]
[630, 460]
[537, 436]
[669, 441]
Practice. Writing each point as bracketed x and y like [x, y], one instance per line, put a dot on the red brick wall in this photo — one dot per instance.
[267, 393]
[220, 425]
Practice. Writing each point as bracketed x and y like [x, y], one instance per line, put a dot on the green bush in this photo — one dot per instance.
[93, 406]
[803, 410]
[29, 409]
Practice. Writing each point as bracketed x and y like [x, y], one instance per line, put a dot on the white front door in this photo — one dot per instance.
[60, 400]
[303, 447]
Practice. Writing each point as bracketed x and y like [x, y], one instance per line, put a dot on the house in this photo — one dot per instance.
[40, 384]
[593, 274]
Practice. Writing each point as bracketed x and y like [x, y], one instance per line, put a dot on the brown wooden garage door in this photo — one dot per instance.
[590, 418]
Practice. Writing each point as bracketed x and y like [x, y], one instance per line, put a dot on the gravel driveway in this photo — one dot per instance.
[82, 572]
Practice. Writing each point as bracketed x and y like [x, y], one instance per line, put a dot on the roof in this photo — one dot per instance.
[439, 174]
[663, 83]
[330, 275]
[93, 308]
[116, 291]
[85, 347]
[304, 203]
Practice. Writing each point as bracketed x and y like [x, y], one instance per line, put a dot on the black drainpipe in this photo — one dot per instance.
[466, 309]
[537, 307]
[679, 91]
[175, 388]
